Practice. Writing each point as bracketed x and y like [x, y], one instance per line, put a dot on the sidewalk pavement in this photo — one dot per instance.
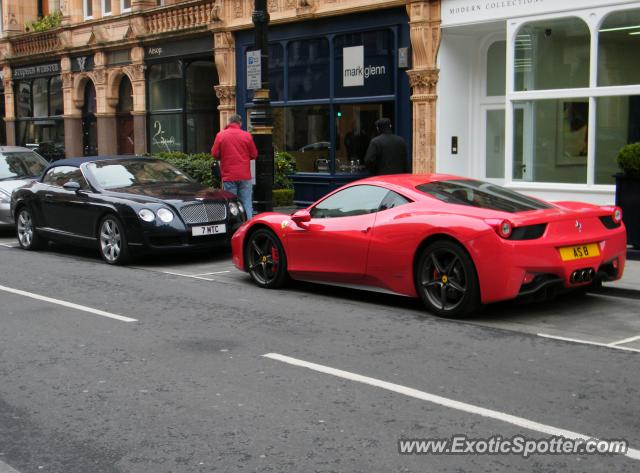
[629, 284]
[630, 279]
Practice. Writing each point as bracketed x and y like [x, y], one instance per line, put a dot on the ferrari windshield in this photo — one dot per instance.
[118, 174]
[481, 194]
[20, 165]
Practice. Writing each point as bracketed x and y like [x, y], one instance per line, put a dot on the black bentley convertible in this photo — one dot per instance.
[123, 205]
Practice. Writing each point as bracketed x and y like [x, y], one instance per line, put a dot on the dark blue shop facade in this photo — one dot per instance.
[330, 80]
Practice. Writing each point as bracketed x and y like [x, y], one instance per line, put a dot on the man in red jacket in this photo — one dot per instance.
[235, 149]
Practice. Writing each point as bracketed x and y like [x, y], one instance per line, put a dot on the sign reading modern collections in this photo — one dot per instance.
[34, 71]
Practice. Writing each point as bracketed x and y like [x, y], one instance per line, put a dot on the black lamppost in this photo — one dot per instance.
[261, 118]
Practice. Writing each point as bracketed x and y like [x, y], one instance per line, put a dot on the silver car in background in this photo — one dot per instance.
[18, 166]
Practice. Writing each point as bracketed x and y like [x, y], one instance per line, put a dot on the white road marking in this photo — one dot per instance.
[442, 401]
[209, 274]
[7, 246]
[70, 305]
[626, 340]
[588, 342]
[187, 276]
[4, 468]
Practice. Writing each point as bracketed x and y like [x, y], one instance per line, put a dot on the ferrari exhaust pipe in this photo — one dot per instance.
[582, 275]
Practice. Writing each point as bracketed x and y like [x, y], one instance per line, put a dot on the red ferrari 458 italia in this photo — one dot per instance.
[454, 242]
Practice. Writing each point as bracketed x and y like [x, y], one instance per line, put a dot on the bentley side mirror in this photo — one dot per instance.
[300, 217]
[71, 186]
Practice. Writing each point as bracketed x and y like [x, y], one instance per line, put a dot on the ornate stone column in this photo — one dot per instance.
[136, 74]
[424, 23]
[9, 106]
[72, 114]
[225, 59]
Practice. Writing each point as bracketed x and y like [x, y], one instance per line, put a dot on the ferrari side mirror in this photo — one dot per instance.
[301, 216]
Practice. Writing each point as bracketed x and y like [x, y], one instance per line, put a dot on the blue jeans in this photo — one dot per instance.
[244, 191]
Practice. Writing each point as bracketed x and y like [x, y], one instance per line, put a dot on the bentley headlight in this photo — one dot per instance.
[240, 207]
[233, 208]
[165, 215]
[146, 215]
[5, 197]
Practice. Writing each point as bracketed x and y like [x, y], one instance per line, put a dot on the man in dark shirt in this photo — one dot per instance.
[387, 153]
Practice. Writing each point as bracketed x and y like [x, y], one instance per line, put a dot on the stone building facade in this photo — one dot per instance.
[107, 73]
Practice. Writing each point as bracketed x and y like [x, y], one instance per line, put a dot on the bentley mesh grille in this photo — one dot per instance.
[203, 212]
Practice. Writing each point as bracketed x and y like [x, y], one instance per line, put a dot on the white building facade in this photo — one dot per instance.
[539, 95]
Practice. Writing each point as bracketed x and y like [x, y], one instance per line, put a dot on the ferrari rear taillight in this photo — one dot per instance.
[617, 215]
[505, 228]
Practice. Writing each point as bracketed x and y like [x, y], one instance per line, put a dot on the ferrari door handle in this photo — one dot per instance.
[366, 230]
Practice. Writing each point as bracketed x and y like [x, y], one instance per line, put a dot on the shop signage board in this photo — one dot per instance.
[254, 70]
[178, 48]
[82, 63]
[461, 12]
[39, 70]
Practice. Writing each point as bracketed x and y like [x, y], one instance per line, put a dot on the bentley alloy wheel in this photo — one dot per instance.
[113, 243]
[25, 231]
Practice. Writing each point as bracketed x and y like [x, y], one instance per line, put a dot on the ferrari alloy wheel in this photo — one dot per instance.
[265, 259]
[25, 231]
[113, 242]
[446, 280]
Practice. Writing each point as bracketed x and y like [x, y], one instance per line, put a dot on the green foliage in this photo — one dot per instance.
[282, 197]
[285, 165]
[198, 166]
[47, 22]
[629, 160]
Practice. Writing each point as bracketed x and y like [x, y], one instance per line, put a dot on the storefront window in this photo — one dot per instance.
[200, 82]
[184, 106]
[276, 74]
[552, 54]
[39, 107]
[166, 133]
[41, 97]
[618, 123]
[355, 128]
[308, 69]
[494, 145]
[364, 64]
[618, 43]
[23, 99]
[496, 67]
[551, 140]
[165, 86]
[304, 133]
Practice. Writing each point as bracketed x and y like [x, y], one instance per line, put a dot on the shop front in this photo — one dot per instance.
[539, 95]
[39, 109]
[183, 108]
[330, 80]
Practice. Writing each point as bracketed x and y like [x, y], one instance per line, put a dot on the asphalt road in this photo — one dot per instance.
[186, 386]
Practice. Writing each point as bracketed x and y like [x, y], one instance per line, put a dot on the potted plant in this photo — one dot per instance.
[628, 191]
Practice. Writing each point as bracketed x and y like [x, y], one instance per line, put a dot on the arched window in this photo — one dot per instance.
[125, 96]
[618, 43]
[552, 54]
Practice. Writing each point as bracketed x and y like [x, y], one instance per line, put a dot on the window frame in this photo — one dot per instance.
[124, 9]
[104, 8]
[87, 9]
[593, 18]
[182, 112]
